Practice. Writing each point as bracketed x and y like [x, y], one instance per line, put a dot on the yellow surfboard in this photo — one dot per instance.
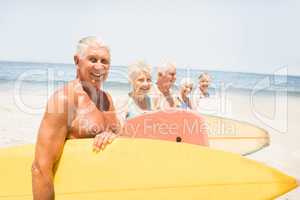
[136, 169]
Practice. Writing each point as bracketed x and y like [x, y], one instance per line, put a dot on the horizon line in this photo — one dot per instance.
[179, 67]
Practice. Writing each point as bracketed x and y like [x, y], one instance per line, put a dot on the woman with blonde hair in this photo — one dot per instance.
[183, 100]
[204, 83]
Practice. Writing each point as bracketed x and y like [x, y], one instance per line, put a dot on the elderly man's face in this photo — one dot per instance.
[93, 66]
[168, 78]
[171, 73]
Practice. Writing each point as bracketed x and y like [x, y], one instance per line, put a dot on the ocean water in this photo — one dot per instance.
[30, 76]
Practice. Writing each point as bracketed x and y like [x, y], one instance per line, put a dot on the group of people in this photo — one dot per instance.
[81, 109]
[147, 96]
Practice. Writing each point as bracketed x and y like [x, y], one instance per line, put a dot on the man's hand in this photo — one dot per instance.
[102, 139]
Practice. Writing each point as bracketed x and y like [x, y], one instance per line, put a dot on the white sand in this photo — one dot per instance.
[19, 127]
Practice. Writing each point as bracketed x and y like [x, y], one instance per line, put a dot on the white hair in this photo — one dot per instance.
[87, 41]
[137, 68]
[186, 81]
[203, 74]
[165, 66]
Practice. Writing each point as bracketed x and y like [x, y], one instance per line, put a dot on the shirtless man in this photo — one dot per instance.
[162, 91]
[81, 109]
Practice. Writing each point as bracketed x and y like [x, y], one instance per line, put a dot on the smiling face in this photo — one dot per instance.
[167, 79]
[171, 73]
[186, 89]
[142, 84]
[93, 66]
[204, 83]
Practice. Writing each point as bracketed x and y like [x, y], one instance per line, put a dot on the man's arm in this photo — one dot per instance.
[50, 142]
[112, 130]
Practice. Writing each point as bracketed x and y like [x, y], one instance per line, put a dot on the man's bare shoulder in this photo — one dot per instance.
[62, 98]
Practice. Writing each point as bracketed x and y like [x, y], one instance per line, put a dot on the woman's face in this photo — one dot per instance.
[142, 83]
[186, 89]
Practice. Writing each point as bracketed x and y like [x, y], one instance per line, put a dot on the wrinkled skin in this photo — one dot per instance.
[68, 107]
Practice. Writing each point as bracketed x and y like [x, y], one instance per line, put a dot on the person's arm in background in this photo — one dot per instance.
[49, 146]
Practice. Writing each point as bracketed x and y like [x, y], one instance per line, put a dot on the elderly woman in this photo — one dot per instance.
[183, 100]
[138, 102]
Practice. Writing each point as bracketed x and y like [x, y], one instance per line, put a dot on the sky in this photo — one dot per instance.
[258, 36]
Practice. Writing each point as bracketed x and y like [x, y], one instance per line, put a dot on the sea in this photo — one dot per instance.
[30, 77]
